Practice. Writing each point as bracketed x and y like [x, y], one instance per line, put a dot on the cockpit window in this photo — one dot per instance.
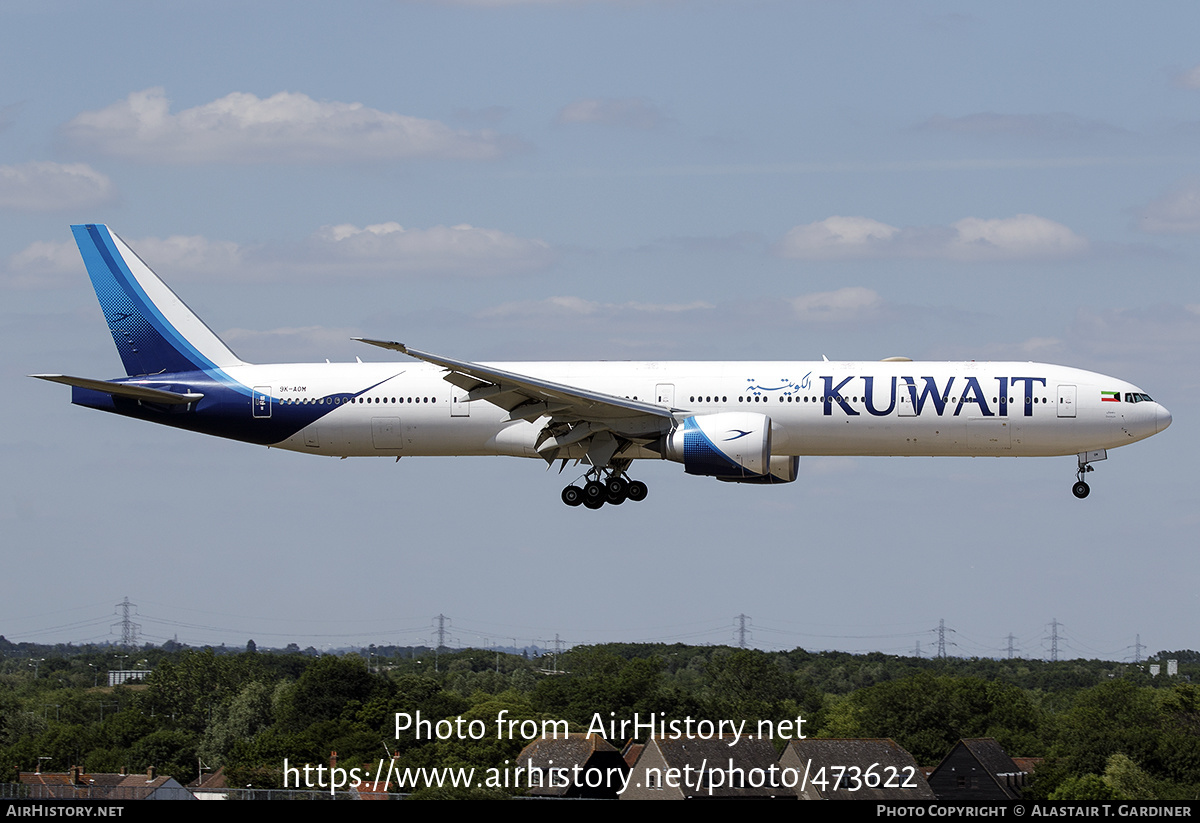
[1138, 397]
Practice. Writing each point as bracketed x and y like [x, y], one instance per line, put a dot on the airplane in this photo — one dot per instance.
[743, 422]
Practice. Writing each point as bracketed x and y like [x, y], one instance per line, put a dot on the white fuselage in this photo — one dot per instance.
[815, 408]
[744, 422]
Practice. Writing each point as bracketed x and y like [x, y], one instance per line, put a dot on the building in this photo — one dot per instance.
[77, 784]
[718, 767]
[977, 769]
[579, 765]
[854, 769]
[211, 786]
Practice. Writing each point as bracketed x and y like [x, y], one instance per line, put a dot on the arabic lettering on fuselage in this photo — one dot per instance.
[785, 385]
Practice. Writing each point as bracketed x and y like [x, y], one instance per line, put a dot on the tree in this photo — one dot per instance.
[927, 714]
[240, 719]
[326, 688]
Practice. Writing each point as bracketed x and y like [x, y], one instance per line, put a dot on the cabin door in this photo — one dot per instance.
[1066, 401]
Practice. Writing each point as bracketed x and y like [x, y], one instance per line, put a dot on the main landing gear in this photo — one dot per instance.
[1081, 489]
[614, 489]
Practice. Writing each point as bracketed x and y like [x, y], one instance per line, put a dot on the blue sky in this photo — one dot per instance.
[501, 180]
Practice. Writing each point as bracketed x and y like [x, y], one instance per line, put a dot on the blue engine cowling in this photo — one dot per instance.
[729, 445]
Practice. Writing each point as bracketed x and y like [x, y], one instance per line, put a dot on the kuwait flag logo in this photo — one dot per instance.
[1110, 396]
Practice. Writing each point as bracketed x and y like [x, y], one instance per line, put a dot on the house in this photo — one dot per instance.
[632, 751]
[578, 765]
[77, 784]
[212, 786]
[978, 769]
[853, 769]
[721, 766]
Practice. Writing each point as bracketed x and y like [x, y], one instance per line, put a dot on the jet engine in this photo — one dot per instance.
[730, 445]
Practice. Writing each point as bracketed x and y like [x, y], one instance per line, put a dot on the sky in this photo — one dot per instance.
[510, 180]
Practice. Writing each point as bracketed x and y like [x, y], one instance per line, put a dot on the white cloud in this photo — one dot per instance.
[285, 344]
[46, 264]
[1189, 79]
[42, 265]
[287, 127]
[633, 112]
[191, 253]
[1034, 347]
[837, 237]
[461, 249]
[1176, 212]
[331, 252]
[45, 256]
[1039, 349]
[568, 307]
[586, 329]
[1024, 236]
[1160, 338]
[852, 303]
[42, 186]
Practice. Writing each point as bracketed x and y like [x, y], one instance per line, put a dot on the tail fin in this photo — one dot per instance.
[154, 330]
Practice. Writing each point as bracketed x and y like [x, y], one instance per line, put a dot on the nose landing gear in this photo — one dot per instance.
[614, 489]
[1081, 489]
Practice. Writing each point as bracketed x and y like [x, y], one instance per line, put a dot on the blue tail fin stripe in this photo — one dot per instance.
[147, 341]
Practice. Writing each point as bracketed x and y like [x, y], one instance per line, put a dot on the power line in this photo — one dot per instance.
[941, 635]
[129, 629]
[741, 630]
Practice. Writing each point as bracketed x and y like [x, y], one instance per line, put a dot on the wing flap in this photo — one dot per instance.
[464, 381]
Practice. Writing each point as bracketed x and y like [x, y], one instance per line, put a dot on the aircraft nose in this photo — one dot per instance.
[1164, 417]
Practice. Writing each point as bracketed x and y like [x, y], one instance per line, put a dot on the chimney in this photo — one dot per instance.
[333, 760]
[76, 774]
[149, 774]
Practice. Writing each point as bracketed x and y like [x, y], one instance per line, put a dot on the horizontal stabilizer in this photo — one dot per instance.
[129, 390]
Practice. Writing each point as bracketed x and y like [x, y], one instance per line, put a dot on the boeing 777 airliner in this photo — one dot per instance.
[745, 422]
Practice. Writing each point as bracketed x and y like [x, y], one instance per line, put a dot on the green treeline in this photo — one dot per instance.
[1105, 729]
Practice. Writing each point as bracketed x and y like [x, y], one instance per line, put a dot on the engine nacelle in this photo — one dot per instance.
[730, 445]
[784, 469]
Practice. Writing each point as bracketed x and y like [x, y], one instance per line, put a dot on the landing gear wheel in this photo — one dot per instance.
[594, 492]
[636, 491]
[616, 490]
[1081, 490]
[572, 495]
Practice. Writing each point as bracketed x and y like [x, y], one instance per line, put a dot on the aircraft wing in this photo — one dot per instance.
[130, 390]
[527, 398]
